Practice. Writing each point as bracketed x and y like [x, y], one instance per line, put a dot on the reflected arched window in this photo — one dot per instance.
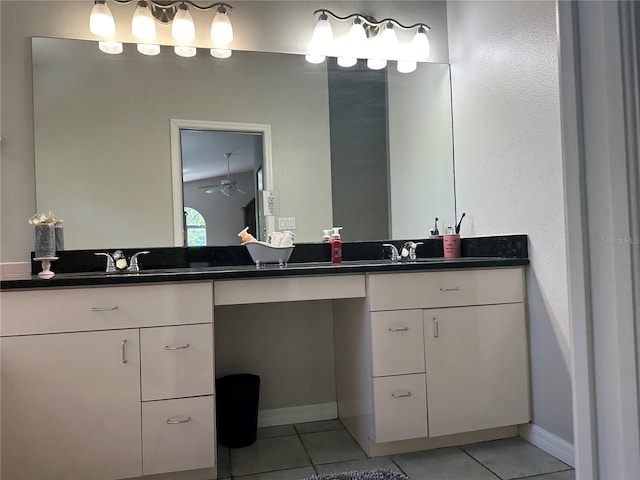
[196, 228]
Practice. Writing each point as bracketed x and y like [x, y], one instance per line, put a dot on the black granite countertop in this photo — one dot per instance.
[82, 268]
[251, 271]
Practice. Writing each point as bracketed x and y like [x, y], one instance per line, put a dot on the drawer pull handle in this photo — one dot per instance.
[124, 351]
[445, 290]
[103, 309]
[401, 329]
[176, 420]
[176, 347]
[436, 330]
[401, 394]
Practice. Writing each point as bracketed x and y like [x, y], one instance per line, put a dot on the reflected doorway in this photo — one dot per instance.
[220, 172]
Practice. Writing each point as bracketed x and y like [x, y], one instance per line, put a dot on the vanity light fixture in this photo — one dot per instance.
[176, 13]
[375, 41]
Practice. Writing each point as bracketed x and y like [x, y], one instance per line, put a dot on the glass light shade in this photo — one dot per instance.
[221, 29]
[357, 39]
[220, 52]
[184, 51]
[183, 29]
[376, 63]
[315, 59]
[113, 48]
[101, 21]
[407, 66]
[420, 46]
[148, 48]
[388, 41]
[347, 62]
[322, 37]
[142, 25]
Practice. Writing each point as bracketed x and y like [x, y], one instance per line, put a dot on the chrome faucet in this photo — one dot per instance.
[133, 262]
[111, 264]
[118, 262]
[408, 251]
[395, 256]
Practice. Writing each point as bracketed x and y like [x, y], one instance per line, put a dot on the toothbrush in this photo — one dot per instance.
[460, 222]
[434, 230]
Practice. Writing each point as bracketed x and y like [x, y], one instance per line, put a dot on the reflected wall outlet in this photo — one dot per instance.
[287, 223]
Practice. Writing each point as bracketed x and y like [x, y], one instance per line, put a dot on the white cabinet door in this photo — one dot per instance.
[476, 368]
[71, 406]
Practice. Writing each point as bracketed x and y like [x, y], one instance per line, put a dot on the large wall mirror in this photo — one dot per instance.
[370, 151]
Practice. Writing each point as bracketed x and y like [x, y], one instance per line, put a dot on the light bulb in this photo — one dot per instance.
[376, 63]
[347, 62]
[357, 39]
[221, 29]
[407, 66]
[142, 25]
[101, 21]
[315, 59]
[183, 29]
[184, 51]
[220, 52]
[375, 56]
[322, 37]
[388, 41]
[148, 49]
[112, 48]
[420, 46]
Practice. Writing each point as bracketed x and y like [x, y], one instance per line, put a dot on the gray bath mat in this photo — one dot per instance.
[378, 474]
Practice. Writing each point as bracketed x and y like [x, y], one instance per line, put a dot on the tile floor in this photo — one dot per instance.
[292, 452]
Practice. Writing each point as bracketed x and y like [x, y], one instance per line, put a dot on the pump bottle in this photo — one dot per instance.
[336, 246]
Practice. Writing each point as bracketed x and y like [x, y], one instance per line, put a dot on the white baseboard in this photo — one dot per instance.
[304, 413]
[15, 270]
[550, 443]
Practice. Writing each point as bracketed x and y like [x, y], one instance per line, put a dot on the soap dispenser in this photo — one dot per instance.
[336, 246]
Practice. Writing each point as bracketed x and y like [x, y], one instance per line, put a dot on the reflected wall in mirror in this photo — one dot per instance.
[103, 140]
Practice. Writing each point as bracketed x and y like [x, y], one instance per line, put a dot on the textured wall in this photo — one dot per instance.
[506, 116]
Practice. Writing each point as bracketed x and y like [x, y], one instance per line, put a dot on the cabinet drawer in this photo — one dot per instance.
[445, 288]
[400, 406]
[104, 308]
[176, 361]
[178, 435]
[397, 342]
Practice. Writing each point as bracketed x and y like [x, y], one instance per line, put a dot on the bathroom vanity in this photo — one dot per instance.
[112, 376]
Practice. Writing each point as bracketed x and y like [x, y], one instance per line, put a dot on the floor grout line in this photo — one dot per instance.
[480, 463]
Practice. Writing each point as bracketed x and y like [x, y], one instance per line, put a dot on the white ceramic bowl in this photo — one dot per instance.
[263, 253]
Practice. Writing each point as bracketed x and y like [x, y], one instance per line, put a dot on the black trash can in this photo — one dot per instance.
[237, 409]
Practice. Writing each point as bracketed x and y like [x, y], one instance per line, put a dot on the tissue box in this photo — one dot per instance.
[264, 253]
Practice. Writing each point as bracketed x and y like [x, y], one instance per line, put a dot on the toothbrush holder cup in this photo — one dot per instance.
[451, 245]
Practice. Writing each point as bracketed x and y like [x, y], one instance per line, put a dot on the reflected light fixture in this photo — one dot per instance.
[177, 14]
[148, 48]
[184, 51]
[112, 48]
[370, 39]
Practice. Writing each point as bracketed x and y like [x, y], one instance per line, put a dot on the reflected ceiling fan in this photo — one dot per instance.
[227, 186]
